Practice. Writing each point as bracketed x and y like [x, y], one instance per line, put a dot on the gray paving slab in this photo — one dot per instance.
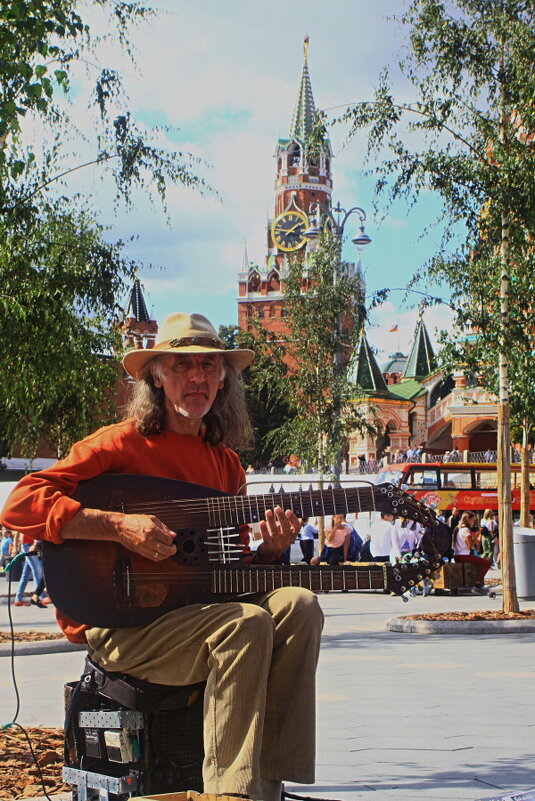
[400, 716]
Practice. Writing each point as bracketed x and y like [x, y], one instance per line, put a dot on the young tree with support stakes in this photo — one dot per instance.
[307, 368]
[468, 136]
[324, 322]
[60, 279]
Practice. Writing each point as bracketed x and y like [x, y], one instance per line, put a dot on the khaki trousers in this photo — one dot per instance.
[258, 660]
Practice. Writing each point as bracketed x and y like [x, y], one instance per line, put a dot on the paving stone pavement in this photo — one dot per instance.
[400, 716]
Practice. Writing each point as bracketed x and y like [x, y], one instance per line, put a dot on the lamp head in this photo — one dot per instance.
[362, 240]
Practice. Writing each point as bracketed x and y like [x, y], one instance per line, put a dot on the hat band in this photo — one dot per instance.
[206, 342]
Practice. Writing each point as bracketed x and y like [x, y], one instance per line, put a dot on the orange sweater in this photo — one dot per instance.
[40, 505]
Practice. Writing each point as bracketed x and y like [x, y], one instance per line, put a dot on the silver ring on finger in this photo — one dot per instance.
[156, 554]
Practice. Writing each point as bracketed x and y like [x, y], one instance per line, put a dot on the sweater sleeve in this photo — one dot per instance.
[41, 503]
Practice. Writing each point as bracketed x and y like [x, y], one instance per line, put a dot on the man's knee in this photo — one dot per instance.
[256, 620]
[299, 603]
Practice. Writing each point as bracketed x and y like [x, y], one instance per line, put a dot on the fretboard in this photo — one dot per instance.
[264, 578]
[235, 510]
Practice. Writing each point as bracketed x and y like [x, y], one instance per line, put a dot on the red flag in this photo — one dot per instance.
[393, 329]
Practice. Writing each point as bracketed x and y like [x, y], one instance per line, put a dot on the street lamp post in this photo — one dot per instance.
[319, 211]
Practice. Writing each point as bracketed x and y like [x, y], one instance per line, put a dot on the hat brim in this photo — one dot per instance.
[135, 361]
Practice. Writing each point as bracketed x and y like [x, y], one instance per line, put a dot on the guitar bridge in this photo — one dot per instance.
[117, 502]
[123, 584]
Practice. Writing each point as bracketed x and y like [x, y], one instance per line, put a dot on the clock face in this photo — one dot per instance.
[288, 230]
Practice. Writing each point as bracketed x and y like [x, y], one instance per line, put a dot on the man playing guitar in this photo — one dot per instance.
[258, 659]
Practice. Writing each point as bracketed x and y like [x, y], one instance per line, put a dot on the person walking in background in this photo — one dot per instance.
[489, 536]
[6, 544]
[464, 547]
[307, 535]
[33, 567]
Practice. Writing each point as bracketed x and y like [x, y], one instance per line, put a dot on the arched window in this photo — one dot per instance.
[294, 155]
[254, 282]
[274, 282]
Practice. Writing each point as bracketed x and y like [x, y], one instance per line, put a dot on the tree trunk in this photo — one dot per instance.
[524, 481]
[321, 519]
[505, 506]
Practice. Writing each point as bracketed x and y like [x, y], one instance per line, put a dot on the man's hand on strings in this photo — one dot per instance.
[278, 530]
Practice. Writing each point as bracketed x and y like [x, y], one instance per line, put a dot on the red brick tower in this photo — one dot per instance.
[301, 179]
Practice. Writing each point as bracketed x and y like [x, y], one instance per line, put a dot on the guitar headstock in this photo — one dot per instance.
[394, 501]
[402, 577]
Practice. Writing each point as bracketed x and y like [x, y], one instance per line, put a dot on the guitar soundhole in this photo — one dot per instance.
[190, 547]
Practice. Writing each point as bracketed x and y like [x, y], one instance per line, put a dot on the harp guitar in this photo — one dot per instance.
[103, 584]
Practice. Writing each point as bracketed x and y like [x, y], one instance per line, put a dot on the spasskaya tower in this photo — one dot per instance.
[302, 178]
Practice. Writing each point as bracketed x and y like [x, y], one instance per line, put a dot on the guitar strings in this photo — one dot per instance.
[240, 503]
[234, 502]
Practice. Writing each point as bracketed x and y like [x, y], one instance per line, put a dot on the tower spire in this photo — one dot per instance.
[422, 360]
[137, 308]
[305, 109]
[245, 258]
[365, 371]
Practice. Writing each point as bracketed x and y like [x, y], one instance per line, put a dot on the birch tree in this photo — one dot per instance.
[467, 134]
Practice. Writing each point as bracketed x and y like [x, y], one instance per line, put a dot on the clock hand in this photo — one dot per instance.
[290, 230]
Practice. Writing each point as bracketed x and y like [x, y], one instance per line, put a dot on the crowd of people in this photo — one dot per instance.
[395, 538]
[11, 545]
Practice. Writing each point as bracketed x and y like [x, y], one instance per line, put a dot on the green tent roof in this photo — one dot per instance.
[365, 371]
[305, 110]
[422, 360]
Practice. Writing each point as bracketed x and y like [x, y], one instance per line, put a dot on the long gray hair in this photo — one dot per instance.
[227, 421]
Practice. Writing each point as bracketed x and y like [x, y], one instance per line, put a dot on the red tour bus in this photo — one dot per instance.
[466, 485]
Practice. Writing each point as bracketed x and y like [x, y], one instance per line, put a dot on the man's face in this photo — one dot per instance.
[190, 382]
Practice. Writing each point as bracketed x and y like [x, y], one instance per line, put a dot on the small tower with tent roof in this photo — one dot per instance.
[138, 329]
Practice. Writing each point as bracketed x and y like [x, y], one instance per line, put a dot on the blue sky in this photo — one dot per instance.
[225, 76]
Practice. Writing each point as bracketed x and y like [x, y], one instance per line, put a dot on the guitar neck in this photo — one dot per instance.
[235, 510]
[241, 580]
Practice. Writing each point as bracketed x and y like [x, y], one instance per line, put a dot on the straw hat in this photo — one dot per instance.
[185, 333]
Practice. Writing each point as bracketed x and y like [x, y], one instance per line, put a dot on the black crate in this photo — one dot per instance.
[170, 738]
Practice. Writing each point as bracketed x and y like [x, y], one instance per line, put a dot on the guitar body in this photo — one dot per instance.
[103, 584]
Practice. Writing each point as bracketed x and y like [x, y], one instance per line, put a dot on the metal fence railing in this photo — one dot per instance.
[362, 469]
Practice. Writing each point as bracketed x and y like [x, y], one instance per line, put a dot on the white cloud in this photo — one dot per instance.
[392, 313]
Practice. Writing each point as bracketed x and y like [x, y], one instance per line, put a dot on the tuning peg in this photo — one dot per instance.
[271, 490]
[281, 489]
[309, 488]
